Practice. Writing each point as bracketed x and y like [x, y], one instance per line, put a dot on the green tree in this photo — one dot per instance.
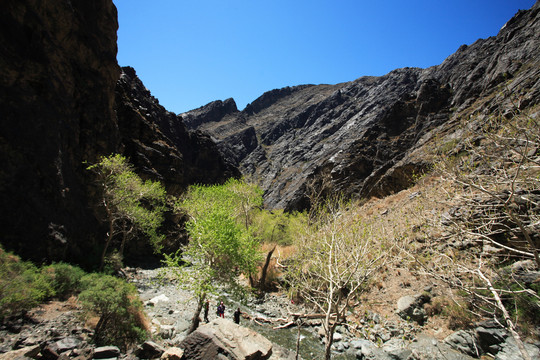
[132, 206]
[221, 246]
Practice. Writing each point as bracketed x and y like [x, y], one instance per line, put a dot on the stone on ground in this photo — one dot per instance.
[222, 338]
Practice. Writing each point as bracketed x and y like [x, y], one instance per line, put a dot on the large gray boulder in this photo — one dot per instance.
[428, 348]
[464, 341]
[410, 307]
[510, 351]
[223, 339]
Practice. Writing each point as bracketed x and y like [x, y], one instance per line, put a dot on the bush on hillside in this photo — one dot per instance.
[22, 285]
[116, 303]
[64, 278]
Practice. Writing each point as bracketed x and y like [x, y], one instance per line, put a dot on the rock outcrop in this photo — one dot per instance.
[365, 137]
[58, 74]
[63, 104]
[157, 142]
[223, 339]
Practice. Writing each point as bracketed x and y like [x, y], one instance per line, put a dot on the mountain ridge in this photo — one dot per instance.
[351, 137]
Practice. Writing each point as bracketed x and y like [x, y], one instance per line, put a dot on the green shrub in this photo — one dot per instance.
[64, 278]
[22, 285]
[116, 303]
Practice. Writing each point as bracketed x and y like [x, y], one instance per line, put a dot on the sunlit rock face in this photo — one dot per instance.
[366, 137]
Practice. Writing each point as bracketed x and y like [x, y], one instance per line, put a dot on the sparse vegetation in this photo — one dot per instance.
[493, 219]
[335, 260]
[115, 302]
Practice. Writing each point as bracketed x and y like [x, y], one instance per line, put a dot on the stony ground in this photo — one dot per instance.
[55, 329]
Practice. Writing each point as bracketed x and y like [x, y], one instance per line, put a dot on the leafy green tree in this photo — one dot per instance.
[121, 319]
[277, 226]
[132, 206]
[221, 247]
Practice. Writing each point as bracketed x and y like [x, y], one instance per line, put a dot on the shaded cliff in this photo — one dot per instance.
[59, 111]
[58, 74]
[357, 137]
[158, 143]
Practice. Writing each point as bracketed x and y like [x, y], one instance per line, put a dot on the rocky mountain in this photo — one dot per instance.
[64, 102]
[365, 137]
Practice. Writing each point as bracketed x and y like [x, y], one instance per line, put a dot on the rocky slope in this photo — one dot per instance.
[359, 137]
[61, 106]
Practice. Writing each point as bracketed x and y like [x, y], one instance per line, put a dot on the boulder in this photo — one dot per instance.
[510, 351]
[490, 336]
[106, 352]
[222, 338]
[26, 352]
[428, 348]
[173, 353]
[68, 343]
[149, 350]
[464, 341]
[397, 349]
[410, 307]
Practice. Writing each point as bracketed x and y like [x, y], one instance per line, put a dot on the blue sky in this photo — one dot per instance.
[189, 53]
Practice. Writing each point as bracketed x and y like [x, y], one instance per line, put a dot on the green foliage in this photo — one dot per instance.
[236, 198]
[64, 279]
[221, 246]
[277, 226]
[22, 285]
[116, 303]
[113, 263]
[527, 308]
[132, 206]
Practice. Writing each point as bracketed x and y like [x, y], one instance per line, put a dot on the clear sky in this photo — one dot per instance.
[191, 52]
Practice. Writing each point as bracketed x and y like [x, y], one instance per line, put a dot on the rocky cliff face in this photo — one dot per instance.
[359, 137]
[61, 106]
[158, 143]
[58, 74]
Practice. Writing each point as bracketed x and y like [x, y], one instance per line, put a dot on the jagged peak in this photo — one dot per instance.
[214, 111]
[270, 97]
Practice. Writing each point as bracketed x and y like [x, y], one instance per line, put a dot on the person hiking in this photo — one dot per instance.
[237, 316]
[206, 307]
[221, 310]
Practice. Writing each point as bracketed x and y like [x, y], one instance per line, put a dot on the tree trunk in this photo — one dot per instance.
[262, 282]
[329, 333]
[196, 320]
[298, 324]
[107, 243]
[328, 346]
[98, 331]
